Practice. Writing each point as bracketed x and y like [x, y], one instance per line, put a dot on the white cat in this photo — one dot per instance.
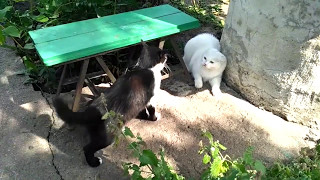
[204, 60]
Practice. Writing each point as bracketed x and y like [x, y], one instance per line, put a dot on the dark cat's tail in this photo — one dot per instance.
[90, 116]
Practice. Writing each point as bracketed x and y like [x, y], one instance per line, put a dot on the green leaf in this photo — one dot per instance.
[30, 66]
[29, 46]
[206, 159]
[2, 39]
[133, 145]
[126, 167]
[128, 132]
[318, 148]
[166, 168]
[260, 167]
[29, 81]
[148, 157]
[106, 3]
[233, 175]
[136, 175]
[41, 18]
[4, 11]
[105, 116]
[214, 152]
[42, 71]
[112, 114]
[206, 175]
[247, 157]
[56, 14]
[239, 166]
[216, 166]
[12, 31]
[222, 147]
[209, 136]
[135, 167]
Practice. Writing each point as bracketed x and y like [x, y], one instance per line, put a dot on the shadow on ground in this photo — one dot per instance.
[35, 144]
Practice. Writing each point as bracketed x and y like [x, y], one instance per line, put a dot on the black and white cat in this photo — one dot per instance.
[204, 60]
[129, 96]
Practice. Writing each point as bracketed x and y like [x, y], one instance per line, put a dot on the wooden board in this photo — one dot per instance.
[68, 42]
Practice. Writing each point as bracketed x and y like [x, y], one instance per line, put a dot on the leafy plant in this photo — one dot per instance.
[151, 166]
[306, 166]
[205, 12]
[218, 166]
[18, 17]
[38, 74]
[223, 167]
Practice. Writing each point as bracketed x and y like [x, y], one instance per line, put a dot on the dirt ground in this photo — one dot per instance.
[186, 111]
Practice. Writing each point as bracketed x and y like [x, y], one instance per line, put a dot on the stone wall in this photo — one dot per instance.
[273, 52]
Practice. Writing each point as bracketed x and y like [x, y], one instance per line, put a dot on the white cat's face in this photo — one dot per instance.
[212, 59]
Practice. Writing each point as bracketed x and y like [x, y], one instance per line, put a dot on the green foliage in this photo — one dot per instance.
[18, 17]
[219, 167]
[200, 9]
[306, 166]
[36, 14]
[3, 3]
[38, 73]
[151, 166]
[223, 167]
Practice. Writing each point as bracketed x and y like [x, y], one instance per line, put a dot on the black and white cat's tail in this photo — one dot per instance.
[90, 116]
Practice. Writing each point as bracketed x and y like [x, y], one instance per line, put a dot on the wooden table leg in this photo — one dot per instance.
[106, 69]
[177, 52]
[77, 97]
[61, 79]
[91, 86]
[161, 43]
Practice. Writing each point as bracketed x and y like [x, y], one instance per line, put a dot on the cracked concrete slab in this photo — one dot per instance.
[69, 159]
[25, 119]
[32, 145]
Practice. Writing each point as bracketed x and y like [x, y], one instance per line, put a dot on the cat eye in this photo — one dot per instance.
[211, 61]
[204, 58]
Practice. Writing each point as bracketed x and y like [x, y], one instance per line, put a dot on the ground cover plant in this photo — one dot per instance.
[219, 166]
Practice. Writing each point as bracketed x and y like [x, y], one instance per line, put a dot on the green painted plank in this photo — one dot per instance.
[112, 35]
[91, 25]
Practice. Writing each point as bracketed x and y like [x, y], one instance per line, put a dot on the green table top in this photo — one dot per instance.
[68, 42]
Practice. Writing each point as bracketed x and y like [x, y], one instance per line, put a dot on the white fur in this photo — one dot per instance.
[100, 160]
[157, 76]
[204, 60]
[157, 82]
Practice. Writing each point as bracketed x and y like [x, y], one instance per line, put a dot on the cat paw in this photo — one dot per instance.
[100, 160]
[94, 162]
[157, 115]
[217, 93]
[198, 84]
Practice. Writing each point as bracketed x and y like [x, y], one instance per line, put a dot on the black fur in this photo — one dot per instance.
[129, 96]
[144, 61]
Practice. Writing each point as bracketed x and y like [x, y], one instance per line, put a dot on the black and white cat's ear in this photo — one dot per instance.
[143, 43]
[164, 55]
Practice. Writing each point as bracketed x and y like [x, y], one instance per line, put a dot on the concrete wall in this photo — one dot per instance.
[273, 52]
